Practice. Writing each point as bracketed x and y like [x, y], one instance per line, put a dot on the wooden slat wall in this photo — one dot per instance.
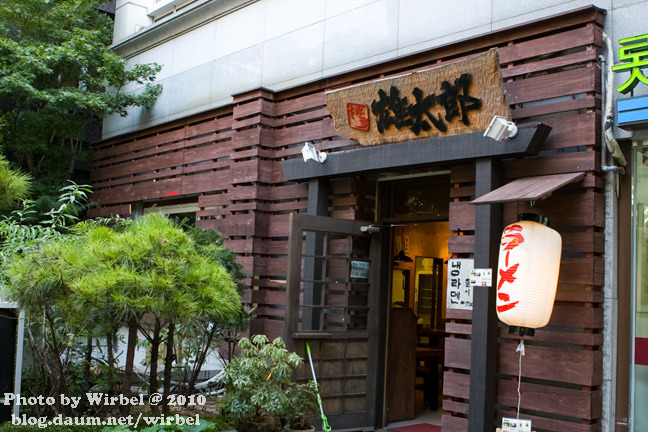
[553, 79]
[227, 161]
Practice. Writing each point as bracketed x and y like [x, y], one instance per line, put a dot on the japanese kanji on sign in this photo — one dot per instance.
[459, 97]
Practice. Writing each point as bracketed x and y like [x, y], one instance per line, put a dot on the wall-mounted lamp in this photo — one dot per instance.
[500, 129]
[370, 229]
[309, 152]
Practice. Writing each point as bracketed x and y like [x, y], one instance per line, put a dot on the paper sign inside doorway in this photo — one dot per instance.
[459, 293]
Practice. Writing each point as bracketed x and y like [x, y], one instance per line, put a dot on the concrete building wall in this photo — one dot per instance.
[217, 48]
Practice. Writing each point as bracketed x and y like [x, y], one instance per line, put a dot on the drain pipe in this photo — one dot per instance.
[608, 130]
[610, 305]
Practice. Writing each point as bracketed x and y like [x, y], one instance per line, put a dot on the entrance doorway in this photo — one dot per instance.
[417, 211]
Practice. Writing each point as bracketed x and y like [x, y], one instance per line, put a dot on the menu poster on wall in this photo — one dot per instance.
[459, 293]
[481, 277]
[515, 425]
[360, 270]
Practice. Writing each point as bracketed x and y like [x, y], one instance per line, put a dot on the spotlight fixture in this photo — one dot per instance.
[500, 129]
[309, 152]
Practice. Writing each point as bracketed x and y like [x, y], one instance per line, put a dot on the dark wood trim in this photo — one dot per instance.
[328, 224]
[319, 335]
[301, 223]
[625, 314]
[483, 353]
[542, 362]
[318, 196]
[580, 403]
[455, 148]
[378, 303]
[529, 188]
[293, 276]
[164, 127]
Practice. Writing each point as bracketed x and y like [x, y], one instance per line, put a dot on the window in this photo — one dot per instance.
[426, 198]
[639, 366]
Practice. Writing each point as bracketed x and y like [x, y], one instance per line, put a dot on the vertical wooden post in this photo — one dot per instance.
[318, 194]
[483, 351]
[293, 273]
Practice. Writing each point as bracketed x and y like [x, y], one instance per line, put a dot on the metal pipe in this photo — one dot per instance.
[608, 132]
[613, 168]
[610, 304]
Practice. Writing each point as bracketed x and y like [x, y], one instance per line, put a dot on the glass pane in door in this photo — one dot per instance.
[640, 361]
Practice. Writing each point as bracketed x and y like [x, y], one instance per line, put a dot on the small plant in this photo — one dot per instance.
[260, 394]
[301, 403]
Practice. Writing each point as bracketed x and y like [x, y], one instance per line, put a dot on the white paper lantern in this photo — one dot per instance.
[527, 276]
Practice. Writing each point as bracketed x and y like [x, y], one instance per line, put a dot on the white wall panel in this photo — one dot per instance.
[241, 70]
[424, 20]
[162, 55]
[193, 90]
[337, 7]
[361, 33]
[194, 48]
[292, 55]
[285, 16]
[240, 30]
[507, 13]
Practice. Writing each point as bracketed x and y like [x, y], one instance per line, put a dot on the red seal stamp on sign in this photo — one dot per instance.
[358, 116]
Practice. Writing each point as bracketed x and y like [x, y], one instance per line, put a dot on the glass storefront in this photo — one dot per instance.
[640, 352]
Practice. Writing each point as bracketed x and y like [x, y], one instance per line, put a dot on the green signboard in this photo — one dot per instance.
[633, 54]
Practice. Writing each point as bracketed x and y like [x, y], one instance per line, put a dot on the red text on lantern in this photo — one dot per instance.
[511, 238]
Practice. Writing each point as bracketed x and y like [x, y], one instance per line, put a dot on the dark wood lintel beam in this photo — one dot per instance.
[425, 151]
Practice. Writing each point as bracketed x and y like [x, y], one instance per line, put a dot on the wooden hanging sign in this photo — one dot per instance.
[457, 98]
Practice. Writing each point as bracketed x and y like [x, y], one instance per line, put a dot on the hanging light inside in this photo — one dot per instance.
[527, 277]
[402, 257]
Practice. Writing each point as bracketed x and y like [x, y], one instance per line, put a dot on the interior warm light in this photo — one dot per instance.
[527, 277]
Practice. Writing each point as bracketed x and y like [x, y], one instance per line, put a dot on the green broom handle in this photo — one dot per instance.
[325, 425]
